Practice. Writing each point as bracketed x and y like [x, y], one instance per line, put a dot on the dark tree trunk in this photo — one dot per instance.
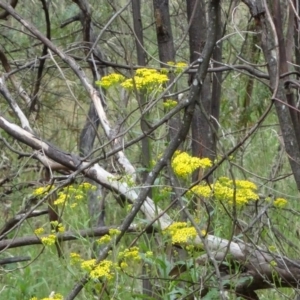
[166, 48]
[203, 128]
[275, 56]
[164, 35]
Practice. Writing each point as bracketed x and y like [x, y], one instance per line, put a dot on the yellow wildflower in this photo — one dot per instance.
[131, 253]
[171, 63]
[123, 265]
[280, 202]
[184, 165]
[245, 184]
[54, 223]
[49, 240]
[164, 71]
[39, 231]
[79, 197]
[202, 190]
[177, 67]
[110, 80]
[190, 248]
[169, 103]
[73, 205]
[103, 270]
[87, 185]
[57, 297]
[180, 66]
[114, 231]
[225, 189]
[42, 190]
[75, 258]
[61, 228]
[104, 239]
[88, 265]
[181, 232]
[62, 198]
[149, 254]
[146, 79]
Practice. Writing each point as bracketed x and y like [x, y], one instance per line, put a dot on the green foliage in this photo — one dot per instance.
[232, 197]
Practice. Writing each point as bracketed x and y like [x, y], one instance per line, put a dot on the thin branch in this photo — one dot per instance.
[63, 237]
[14, 105]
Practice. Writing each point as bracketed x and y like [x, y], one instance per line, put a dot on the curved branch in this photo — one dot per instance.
[63, 237]
[5, 13]
[14, 105]
[42, 61]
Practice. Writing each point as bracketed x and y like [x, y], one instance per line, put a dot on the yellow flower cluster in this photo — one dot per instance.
[169, 103]
[280, 202]
[87, 186]
[102, 270]
[202, 190]
[184, 165]
[181, 232]
[178, 67]
[49, 240]
[39, 231]
[146, 79]
[62, 198]
[107, 237]
[73, 192]
[104, 239]
[58, 226]
[75, 258]
[114, 231]
[225, 189]
[88, 265]
[110, 80]
[149, 254]
[123, 265]
[52, 297]
[42, 190]
[131, 253]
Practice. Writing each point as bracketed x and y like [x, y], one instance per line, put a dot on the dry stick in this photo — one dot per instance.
[66, 236]
[42, 61]
[14, 105]
[11, 260]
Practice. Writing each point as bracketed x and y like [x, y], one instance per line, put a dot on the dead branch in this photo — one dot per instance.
[66, 236]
